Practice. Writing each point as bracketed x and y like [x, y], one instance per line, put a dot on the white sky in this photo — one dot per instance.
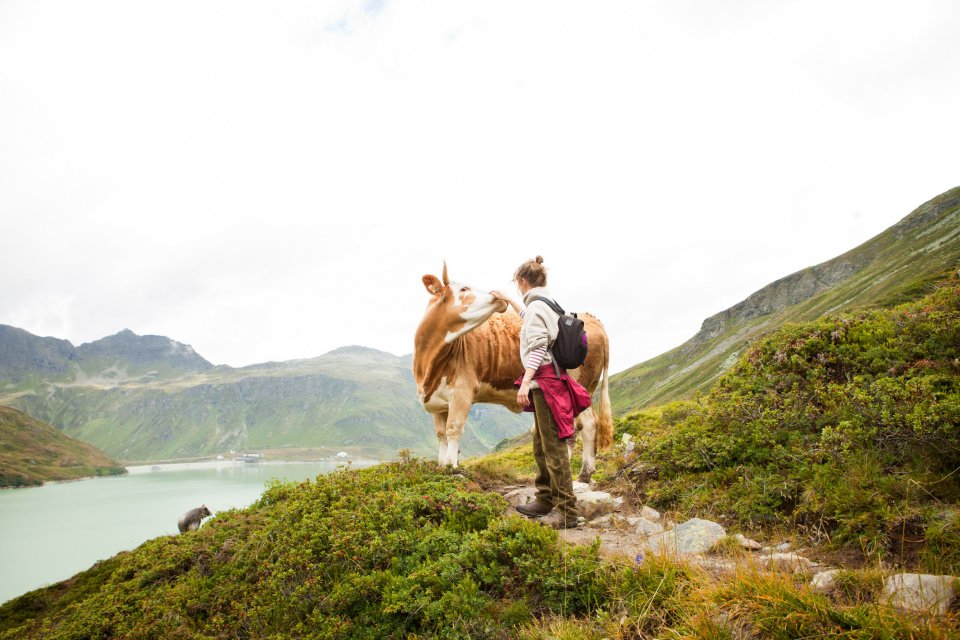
[271, 180]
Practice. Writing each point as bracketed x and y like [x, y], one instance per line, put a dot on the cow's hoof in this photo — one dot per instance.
[584, 477]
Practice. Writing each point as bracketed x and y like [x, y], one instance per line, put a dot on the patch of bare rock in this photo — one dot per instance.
[638, 535]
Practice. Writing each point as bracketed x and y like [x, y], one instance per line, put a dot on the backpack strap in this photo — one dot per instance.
[552, 304]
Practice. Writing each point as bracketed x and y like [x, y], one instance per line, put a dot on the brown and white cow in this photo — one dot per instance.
[467, 350]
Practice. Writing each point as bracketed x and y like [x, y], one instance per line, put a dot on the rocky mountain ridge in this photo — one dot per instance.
[894, 266]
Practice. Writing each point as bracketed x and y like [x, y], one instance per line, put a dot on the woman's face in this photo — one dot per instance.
[523, 286]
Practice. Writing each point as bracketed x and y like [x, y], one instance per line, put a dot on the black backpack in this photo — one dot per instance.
[570, 348]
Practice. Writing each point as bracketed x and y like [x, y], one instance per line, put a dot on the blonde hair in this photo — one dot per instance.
[533, 272]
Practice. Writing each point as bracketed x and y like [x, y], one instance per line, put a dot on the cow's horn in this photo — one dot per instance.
[446, 280]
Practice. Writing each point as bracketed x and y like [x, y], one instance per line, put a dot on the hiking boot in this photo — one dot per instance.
[535, 509]
[557, 520]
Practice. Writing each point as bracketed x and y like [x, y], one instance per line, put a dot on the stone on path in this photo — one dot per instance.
[747, 543]
[645, 527]
[823, 581]
[611, 520]
[597, 503]
[788, 562]
[650, 513]
[581, 487]
[591, 503]
[921, 592]
[692, 536]
[521, 496]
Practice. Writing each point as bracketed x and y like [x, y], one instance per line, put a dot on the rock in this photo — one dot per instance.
[788, 562]
[823, 581]
[693, 536]
[747, 543]
[921, 592]
[581, 487]
[604, 522]
[650, 514]
[784, 547]
[597, 503]
[646, 527]
[520, 496]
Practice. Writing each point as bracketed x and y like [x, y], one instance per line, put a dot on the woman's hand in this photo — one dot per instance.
[523, 394]
[499, 295]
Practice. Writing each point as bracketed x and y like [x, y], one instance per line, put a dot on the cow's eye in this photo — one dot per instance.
[464, 289]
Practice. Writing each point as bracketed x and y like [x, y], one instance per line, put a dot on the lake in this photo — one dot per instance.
[49, 533]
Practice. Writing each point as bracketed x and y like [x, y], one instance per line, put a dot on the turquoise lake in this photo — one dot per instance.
[49, 533]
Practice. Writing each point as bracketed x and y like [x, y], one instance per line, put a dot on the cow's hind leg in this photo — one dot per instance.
[589, 420]
[440, 428]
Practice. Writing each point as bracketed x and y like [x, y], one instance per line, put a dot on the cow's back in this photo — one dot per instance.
[598, 353]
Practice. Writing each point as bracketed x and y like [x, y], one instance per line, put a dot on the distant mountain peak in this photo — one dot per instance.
[357, 350]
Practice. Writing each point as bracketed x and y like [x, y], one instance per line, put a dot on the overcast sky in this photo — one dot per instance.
[271, 180]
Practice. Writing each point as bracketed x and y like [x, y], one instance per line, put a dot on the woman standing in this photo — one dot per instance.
[553, 397]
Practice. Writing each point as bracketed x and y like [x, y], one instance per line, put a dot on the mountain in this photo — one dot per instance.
[33, 452]
[146, 398]
[125, 355]
[896, 266]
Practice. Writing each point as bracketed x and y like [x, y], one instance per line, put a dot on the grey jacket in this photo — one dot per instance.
[539, 326]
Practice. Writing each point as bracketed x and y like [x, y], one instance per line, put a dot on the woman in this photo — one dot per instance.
[552, 396]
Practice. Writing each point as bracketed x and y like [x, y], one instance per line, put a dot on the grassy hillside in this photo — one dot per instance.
[896, 266]
[353, 398]
[32, 453]
[848, 426]
[845, 430]
[407, 550]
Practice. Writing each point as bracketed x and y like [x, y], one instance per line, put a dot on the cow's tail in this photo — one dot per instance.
[604, 414]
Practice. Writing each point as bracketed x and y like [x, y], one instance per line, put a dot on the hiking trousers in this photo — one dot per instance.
[554, 481]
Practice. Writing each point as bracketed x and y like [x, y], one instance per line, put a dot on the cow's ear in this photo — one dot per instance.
[432, 283]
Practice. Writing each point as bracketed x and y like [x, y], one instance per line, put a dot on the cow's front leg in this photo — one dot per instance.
[440, 428]
[589, 421]
[456, 420]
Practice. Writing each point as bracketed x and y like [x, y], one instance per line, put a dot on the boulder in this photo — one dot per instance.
[693, 536]
[823, 582]
[580, 487]
[784, 547]
[593, 504]
[921, 592]
[787, 562]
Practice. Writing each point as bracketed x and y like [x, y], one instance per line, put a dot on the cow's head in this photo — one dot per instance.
[456, 308]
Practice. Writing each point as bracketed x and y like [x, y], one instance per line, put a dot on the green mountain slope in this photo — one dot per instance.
[895, 266]
[150, 398]
[32, 453]
[848, 425]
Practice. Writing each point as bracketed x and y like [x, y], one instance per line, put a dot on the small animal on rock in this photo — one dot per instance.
[190, 521]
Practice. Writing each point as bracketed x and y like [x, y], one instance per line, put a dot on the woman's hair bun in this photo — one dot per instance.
[533, 272]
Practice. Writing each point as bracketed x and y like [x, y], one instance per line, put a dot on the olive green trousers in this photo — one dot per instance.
[554, 481]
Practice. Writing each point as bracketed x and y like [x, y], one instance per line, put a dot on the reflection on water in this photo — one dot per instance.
[49, 533]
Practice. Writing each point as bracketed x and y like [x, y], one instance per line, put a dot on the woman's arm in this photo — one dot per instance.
[499, 295]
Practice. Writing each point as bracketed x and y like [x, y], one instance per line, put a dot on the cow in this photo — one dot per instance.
[467, 350]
